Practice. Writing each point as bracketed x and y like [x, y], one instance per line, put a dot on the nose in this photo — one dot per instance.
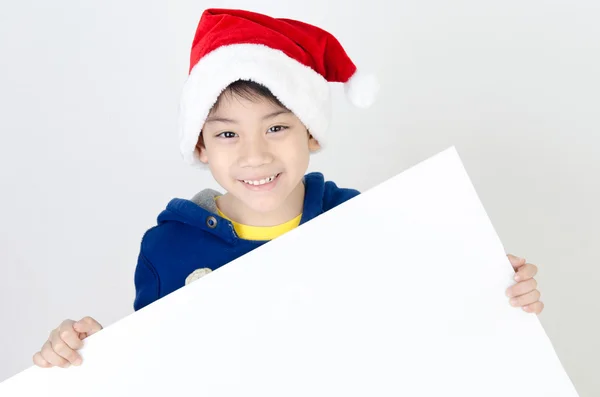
[255, 153]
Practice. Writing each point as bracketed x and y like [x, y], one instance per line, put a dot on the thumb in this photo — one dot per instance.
[87, 326]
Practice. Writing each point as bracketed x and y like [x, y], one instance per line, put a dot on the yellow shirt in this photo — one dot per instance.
[260, 233]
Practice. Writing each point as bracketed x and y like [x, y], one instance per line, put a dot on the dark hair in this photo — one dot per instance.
[246, 89]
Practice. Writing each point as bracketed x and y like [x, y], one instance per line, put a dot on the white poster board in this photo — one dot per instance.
[398, 292]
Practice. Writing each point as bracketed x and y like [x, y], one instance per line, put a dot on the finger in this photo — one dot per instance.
[40, 361]
[526, 272]
[52, 357]
[60, 347]
[527, 299]
[515, 261]
[88, 326]
[70, 336]
[522, 288]
[536, 307]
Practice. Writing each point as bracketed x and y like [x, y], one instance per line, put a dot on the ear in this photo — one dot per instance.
[313, 144]
[202, 155]
[201, 150]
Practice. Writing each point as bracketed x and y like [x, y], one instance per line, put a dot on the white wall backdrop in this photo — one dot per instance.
[89, 156]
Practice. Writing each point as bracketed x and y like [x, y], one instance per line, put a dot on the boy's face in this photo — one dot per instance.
[257, 151]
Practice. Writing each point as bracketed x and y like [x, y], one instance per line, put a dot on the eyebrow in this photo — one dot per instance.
[232, 121]
[276, 113]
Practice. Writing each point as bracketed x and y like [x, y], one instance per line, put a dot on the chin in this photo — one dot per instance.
[265, 198]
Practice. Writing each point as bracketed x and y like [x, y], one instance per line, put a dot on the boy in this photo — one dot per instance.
[254, 108]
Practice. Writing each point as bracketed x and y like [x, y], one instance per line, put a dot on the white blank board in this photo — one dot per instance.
[397, 292]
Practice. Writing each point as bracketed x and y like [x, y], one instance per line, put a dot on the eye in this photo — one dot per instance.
[277, 128]
[227, 134]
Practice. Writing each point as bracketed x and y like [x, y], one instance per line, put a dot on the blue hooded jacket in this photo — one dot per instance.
[191, 239]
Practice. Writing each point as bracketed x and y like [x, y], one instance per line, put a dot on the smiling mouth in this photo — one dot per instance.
[262, 181]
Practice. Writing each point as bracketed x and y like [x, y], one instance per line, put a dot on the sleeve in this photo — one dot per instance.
[147, 283]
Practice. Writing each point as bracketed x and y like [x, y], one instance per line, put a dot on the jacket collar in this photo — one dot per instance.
[201, 210]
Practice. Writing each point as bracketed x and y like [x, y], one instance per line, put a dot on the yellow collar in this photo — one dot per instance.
[262, 233]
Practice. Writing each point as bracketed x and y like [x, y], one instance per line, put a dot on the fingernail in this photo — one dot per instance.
[517, 277]
[514, 302]
[77, 362]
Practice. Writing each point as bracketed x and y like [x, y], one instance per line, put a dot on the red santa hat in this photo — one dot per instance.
[294, 60]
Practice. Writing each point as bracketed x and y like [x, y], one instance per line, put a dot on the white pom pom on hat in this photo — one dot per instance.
[362, 89]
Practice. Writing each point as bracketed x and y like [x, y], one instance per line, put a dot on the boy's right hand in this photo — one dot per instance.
[60, 350]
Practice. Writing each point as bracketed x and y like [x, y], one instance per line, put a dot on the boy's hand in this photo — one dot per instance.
[60, 350]
[524, 293]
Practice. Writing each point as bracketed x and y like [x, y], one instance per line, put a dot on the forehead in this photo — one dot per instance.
[240, 110]
[231, 102]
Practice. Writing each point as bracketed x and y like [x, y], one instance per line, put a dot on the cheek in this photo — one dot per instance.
[219, 159]
[297, 154]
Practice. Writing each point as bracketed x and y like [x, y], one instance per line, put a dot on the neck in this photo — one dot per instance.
[241, 213]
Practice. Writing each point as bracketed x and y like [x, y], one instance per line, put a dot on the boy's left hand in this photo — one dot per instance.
[524, 293]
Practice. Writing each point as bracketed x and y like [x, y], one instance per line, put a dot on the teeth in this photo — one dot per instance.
[260, 182]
